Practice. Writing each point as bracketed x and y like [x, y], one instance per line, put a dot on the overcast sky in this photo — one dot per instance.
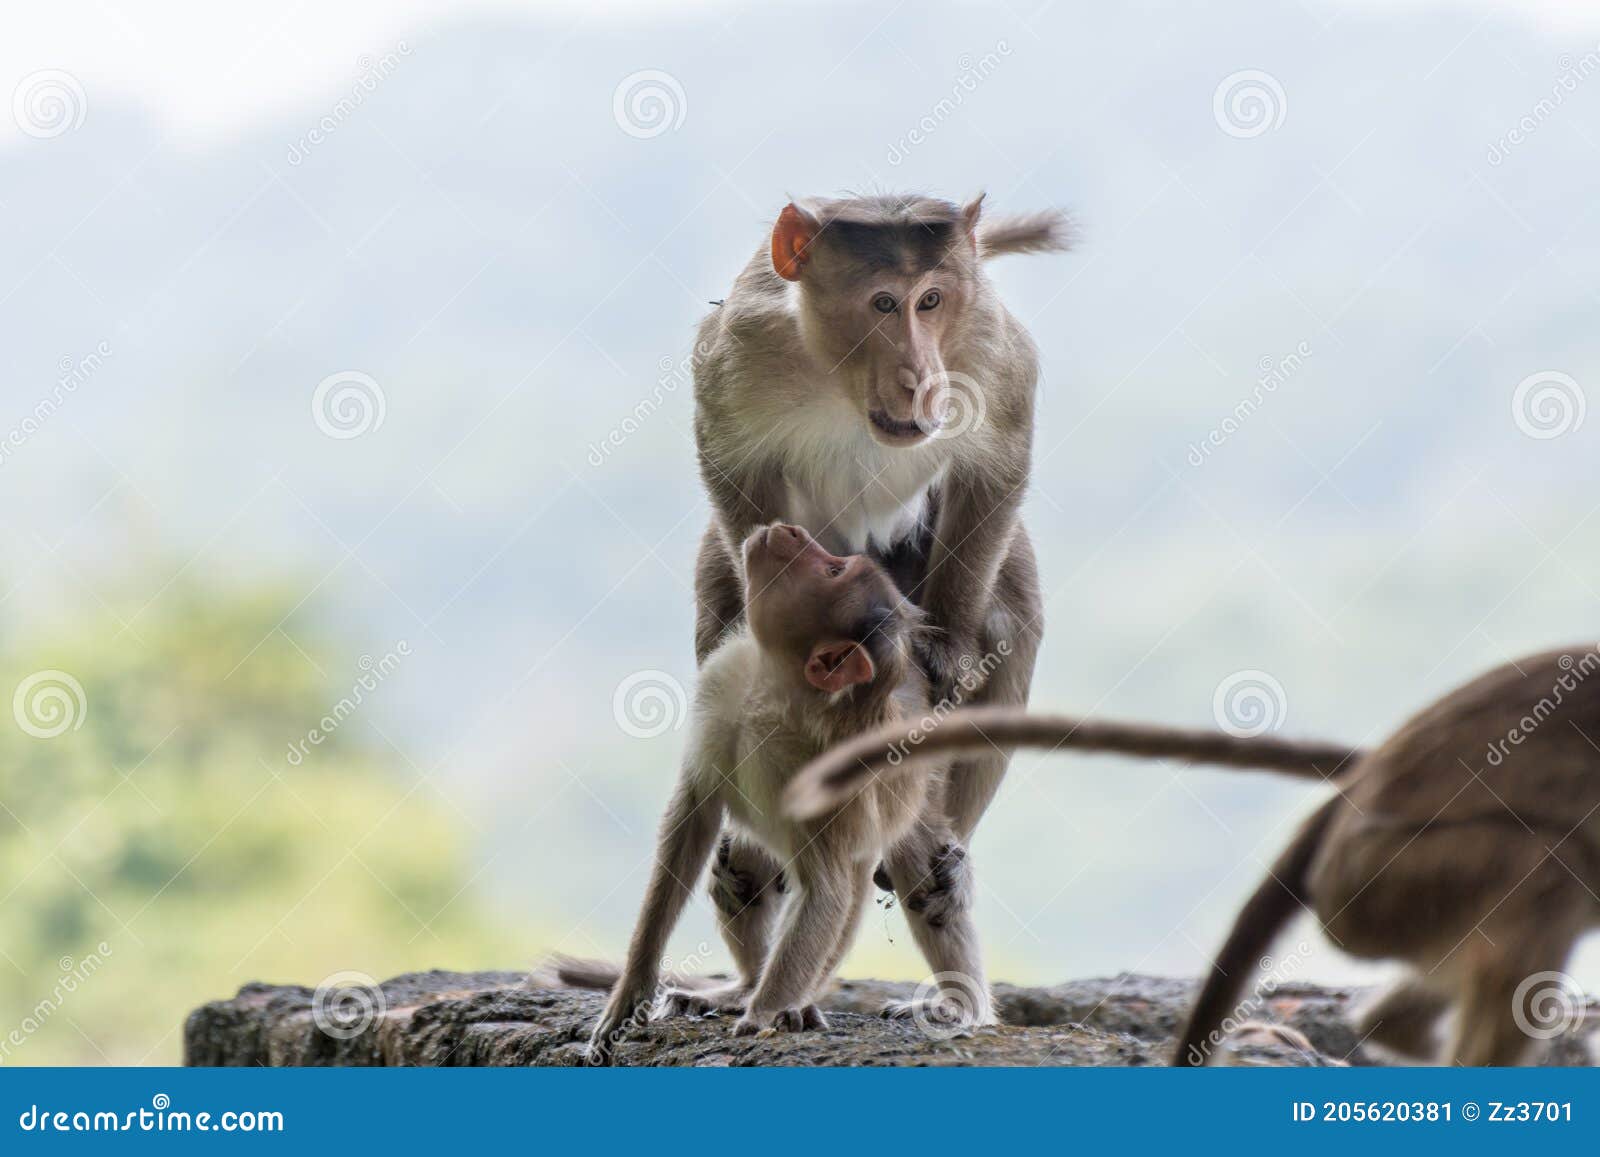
[206, 68]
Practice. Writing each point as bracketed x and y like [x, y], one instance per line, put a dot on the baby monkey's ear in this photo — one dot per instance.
[835, 666]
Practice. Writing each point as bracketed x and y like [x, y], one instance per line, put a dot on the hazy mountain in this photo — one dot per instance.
[478, 234]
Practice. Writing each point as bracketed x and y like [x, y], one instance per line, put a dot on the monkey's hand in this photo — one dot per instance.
[730, 998]
[950, 662]
[805, 1018]
[627, 1011]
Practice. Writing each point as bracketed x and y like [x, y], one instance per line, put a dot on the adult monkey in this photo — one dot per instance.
[863, 380]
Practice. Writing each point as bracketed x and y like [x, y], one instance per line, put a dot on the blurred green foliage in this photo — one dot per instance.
[165, 821]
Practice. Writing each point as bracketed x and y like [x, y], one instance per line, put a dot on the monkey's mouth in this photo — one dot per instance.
[898, 430]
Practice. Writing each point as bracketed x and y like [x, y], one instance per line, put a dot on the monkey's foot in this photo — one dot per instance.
[704, 1002]
[937, 1012]
[804, 1019]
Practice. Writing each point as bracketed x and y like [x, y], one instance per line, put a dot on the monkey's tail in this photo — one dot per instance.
[1025, 233]
[577, 972]
[833, 777]
[581, 972]
[1274, 902]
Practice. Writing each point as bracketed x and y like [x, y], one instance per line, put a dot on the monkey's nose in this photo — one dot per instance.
[909, 379]
[784, 539]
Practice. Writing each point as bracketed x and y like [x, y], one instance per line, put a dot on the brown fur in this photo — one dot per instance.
[825, 655]
[1472, 857]
[805, 412]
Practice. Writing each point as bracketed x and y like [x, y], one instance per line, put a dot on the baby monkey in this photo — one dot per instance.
[1467, 845]
[825, 653]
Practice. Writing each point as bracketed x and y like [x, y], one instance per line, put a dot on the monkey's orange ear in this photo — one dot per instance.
[970, 212]
[791, 237]
[835, 666]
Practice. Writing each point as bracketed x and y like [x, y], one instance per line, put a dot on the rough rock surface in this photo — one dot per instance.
[498, 1018]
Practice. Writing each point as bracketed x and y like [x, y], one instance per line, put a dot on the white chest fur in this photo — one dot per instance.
[846, 488]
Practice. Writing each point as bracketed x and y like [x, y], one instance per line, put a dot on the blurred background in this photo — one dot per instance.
[349, 491]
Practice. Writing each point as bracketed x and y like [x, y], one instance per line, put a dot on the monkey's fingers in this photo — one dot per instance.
[799, 1019]
[599, 1052]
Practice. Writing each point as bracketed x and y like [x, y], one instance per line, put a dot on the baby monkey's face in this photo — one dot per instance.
[836, 619]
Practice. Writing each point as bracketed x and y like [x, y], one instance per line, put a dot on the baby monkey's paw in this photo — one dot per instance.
[625, 1013]
[805, 1018]
[705, 1002]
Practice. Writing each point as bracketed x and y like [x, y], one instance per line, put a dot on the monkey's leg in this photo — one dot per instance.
[718, 593]
[682, 847]
[847, 934]
[1010, 638]
[807, 1015]
[933, 878]
[747, 887]
[813, 923]
[1487, 1032]
[1513, 991]
[1405, 1019]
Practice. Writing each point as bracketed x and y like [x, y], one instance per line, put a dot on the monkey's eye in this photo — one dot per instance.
[930, 300]
[883, 303]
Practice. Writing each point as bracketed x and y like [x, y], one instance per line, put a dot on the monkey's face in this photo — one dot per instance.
[834, 621]
[882, 303]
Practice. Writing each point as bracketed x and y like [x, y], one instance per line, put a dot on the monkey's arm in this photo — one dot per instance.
[743, 498]
[830, 780]
[977, 519]
[682, 848]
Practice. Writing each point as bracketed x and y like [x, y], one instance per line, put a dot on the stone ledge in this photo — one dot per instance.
[500, 1018]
